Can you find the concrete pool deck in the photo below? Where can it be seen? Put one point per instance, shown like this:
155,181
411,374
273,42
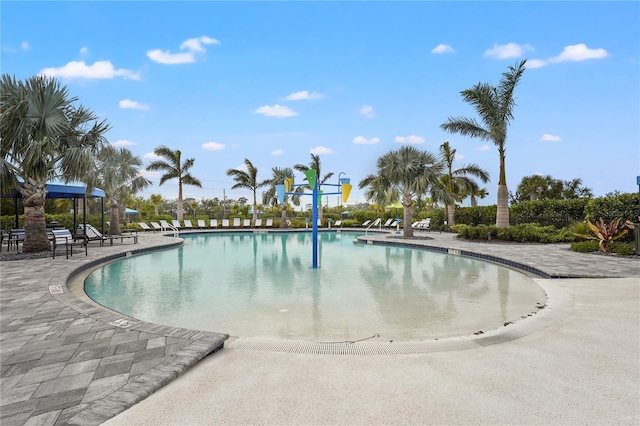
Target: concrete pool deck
583,368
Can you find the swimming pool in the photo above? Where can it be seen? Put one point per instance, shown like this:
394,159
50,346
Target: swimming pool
261,284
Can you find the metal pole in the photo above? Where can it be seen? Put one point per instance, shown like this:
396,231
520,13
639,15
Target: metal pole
314,210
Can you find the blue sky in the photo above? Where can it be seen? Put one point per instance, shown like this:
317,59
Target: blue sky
275,81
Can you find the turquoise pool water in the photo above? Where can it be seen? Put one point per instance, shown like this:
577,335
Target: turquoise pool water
249,284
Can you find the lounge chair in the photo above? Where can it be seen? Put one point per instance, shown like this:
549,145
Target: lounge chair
415,224
388,223
225,223
144,226
16,236
156,226
338,223
213,223
269,223
424,224
176,224
246,223
365,223
63,237
92,234
201,224
188,224
258,223
376,222
236,222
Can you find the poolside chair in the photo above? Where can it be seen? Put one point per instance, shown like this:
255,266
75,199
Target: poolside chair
258,223
269,223
156,226
225,223
176,224
246,223
91,234
16,236
63,237
187,224
338,223
144,226
236,222
415,224
213,223
388,223
201,224
376,222
365,223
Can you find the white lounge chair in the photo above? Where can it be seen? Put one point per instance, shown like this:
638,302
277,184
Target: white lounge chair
338,223
225,223
269,223
165,225
258,223
236,222
144,226
201,224
156,226
176,224
63,237
213,223
376,222
388,223
246,223
366,222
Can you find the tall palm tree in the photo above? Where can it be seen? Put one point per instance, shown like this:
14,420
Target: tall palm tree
457,182
117,172
403,175
474,193
175,169
249,180
270,197
44,136
156,200
315,165
495,107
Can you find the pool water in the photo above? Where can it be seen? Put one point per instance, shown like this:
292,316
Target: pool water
253,285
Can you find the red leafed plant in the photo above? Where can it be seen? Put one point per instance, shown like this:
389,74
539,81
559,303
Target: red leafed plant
605,233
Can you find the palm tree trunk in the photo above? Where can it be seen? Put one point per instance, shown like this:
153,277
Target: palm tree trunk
408,214
502,214
283,217
474,201
255,207
451,214
114,217
35,238
180,207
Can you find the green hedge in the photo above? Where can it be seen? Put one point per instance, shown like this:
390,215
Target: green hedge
480,215
559,213
612,207
529,232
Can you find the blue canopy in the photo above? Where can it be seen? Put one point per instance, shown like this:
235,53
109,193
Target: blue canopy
64,191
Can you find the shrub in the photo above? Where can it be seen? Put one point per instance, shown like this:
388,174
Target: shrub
584,246
559,213
625,249
612,207
529,232
480,215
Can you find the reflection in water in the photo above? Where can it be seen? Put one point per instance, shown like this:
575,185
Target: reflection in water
263,285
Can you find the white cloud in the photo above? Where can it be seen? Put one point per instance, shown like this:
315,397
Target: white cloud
149,174
458,157
213,146
550,138
506,51
122,142
579,52
277,152
129,104
191,46
536,63
151,156
442,48
84,50
100,69
25,45
484,148
276,111
321,150
367,111
304,94
413,139
361,140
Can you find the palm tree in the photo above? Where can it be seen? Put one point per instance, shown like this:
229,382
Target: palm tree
43,136
249,180
315,165
156,200
495,107
458,181
117,172
270,197
404,175
476,192
175,169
